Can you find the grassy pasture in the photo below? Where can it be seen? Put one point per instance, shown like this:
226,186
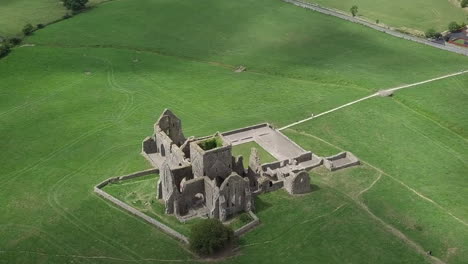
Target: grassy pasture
75,107
418,142
267,36
417,14
14,14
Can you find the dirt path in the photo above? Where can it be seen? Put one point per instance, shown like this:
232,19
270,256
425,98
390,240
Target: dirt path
391,90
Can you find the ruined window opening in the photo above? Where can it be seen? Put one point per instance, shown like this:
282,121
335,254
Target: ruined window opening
163,151
270,184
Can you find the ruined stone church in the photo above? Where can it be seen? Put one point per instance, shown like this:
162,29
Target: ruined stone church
199,177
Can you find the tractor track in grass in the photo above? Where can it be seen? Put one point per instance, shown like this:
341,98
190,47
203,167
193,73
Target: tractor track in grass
212,63
90,258
43,235
54,202
42,98
290,228
394,231
13,175
422,196
431,120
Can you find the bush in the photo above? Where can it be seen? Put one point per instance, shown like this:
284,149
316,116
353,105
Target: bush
66,16
354,10
433,34
28,29
75,5
454,27
209,236
377,21
464,3
245,218
430,33
14,41
39,26
4,49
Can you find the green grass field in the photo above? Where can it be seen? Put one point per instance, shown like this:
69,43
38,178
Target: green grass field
14,14
244,150
75,107
416,14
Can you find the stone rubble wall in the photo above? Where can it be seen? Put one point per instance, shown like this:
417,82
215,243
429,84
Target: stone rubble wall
236,131
249,226
340,161
138,174
131,210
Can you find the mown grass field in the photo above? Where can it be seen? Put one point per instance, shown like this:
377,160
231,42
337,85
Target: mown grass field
75,107
14,14
416,14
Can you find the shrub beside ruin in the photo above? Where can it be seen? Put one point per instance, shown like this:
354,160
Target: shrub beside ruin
210,236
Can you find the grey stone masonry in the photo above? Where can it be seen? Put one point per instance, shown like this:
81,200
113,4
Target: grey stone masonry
249,226
340,161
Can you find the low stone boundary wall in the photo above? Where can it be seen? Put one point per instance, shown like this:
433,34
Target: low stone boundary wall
235,131
340,161
131,210
304,157
249,226
138,174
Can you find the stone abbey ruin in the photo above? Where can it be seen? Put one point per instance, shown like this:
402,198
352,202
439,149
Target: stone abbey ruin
199,177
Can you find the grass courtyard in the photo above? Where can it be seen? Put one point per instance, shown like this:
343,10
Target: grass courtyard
245,149
75,107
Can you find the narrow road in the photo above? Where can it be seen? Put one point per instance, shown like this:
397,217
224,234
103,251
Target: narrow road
331,12
373,95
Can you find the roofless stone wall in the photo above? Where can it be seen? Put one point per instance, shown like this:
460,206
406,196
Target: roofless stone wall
166,229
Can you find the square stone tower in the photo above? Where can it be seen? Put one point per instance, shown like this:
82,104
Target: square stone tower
211,157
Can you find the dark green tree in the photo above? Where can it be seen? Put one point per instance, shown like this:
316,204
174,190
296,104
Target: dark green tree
464,3
453,26
209,236
28,29
430,33
354,10
75,5
4,49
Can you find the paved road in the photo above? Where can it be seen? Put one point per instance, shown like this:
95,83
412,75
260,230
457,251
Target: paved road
331,12
373,95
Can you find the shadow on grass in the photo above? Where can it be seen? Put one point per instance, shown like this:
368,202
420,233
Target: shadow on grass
314,188
261,204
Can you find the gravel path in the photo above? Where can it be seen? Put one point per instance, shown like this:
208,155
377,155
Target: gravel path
373,95
331,12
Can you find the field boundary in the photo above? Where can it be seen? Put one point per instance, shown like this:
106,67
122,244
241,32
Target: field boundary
389,31
386,92
249,226
166,229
